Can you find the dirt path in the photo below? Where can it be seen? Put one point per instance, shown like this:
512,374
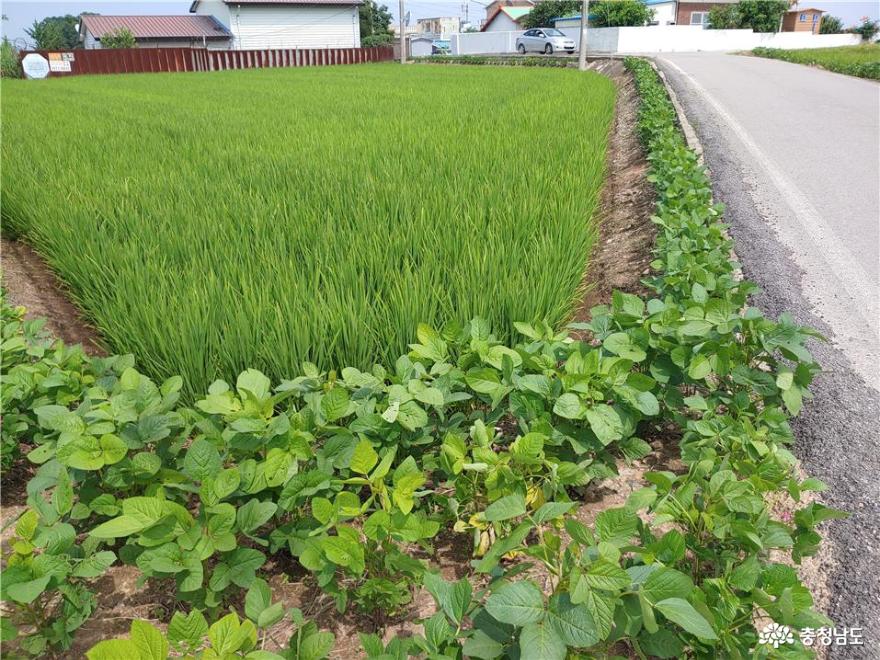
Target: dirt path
622,254
29,282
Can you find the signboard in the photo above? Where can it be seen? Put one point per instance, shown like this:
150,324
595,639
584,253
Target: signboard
35,66
57,62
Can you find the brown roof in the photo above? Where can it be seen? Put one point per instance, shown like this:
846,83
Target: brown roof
158,27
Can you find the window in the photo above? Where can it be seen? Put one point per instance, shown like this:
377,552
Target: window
815,17
700,18
803,18
553,32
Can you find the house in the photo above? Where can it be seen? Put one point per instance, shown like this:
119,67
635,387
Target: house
442,26
664,11
261,24
506,19
697,13
802,20
157,31
493,6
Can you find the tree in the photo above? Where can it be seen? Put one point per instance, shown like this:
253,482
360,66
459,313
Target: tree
724,17
620,13
762,15
55,33
10,67
375,20
121,37
543,13
831,25
757,15
868,29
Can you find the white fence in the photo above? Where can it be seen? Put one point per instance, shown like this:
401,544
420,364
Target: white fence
657,39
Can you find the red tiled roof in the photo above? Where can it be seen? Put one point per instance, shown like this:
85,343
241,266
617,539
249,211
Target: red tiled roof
158,27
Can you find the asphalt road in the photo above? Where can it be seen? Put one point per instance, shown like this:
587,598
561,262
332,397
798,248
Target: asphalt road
794,153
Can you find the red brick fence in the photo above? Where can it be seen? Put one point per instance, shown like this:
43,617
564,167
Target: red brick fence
158,60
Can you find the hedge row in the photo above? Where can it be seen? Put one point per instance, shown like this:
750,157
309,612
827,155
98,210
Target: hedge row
827,59
355,473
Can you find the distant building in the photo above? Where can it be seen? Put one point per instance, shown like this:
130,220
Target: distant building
492,7
506,19
157,31
697,13
802,20
441,26
664,11
260,24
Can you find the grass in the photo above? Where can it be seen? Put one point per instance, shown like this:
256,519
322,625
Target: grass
862,60
213,222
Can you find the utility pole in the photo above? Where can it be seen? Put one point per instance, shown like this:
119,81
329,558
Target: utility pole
582,51
402,33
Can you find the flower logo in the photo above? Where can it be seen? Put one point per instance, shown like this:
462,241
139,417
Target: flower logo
776,635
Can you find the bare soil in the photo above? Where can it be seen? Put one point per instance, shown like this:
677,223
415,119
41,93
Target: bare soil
622,255
619,260
29,282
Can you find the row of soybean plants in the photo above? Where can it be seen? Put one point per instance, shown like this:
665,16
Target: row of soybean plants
355,473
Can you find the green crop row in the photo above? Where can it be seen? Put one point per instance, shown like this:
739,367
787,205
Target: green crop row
862,61
502,60
354,473
211,223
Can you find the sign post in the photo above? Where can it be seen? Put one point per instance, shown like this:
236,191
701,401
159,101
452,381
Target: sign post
35,66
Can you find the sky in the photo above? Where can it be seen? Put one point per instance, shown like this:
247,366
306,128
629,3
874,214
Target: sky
22,14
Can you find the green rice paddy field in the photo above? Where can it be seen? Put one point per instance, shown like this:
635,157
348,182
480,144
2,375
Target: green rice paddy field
213,222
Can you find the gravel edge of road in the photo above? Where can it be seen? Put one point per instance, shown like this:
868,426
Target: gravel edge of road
840,421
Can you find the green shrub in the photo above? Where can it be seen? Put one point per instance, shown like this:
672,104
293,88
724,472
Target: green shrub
620,13
119,38
862,61
10,66
831,25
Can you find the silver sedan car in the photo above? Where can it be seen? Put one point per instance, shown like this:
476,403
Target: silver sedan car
544,40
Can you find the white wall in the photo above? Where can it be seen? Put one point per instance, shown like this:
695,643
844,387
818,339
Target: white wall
657,39
477,43
216,8
503,23
294,26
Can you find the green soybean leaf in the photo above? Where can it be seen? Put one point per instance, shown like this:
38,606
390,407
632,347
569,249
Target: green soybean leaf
573,623
509,506
517,603
334,404
540,640
605,422
113,649
683,613
151,643
364,458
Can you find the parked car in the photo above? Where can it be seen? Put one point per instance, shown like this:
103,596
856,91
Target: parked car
544,40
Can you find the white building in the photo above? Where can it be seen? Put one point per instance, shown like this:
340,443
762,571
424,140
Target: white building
442,26
506,19
260,24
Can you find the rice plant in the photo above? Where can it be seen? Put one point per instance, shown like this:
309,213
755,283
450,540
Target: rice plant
213,222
